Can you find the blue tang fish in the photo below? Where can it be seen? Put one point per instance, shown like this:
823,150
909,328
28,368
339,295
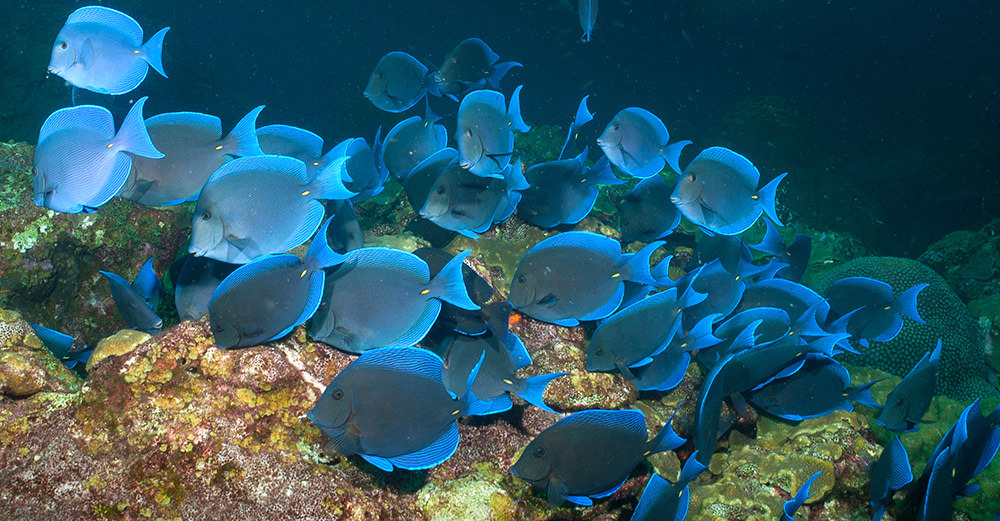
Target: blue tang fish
563,191
890,473
137,301
791,297
576,276
634,335
80,162
718,192
485,132
867,310
265,299
411,141
666,369
463,202
589,454
101,50
907,403
819,387
583,116
644,215
801,496
364,172
661,501
973,441
795,256
385,297
419,180
723,292
636,142
194,149
390,407
345,233
499,359
286,140
258,205
469,66
195,282
398,82
61,346
588,16
471,322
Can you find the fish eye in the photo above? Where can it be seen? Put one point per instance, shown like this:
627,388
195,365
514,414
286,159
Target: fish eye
599,351
468,132
63,45
218,329
616,127
440,190
522,279
338,394
206,216
539,452
34,170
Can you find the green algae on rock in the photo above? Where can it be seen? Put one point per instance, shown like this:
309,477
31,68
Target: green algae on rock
26,366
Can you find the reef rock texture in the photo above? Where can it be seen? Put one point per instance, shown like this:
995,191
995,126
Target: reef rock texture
49,261
962,373
26,366
969,261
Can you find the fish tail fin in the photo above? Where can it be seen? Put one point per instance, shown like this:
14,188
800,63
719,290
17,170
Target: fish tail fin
766,198
431,85
242,139
601,174
900,472
692,468
771,243
666,439
672,154
534,388
807,324
449,284
661,272
792,505
329,182
475,406
320,255
147,285
638,264
499,71
514,112
132,136
863,394
152,51
656,487
58,342
906,303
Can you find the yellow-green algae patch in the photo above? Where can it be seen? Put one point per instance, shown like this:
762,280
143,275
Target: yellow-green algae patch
473,497
118,344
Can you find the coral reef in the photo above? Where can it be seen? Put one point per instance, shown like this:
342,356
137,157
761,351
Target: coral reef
962,373
26,366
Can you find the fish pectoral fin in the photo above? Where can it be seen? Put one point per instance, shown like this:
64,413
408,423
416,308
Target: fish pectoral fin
495,157
557,491
547,301
86,56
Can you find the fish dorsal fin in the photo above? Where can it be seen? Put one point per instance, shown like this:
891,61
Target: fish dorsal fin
281,164
306,139
121,23
90,117
586,240
431,455
251,270
738,165
206,122
410,360
382,257
630,420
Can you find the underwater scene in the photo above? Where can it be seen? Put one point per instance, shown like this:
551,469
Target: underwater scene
494,260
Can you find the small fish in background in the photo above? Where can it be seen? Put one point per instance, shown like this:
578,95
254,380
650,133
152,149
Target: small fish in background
195,282
589,454
588,17
796,256
866,308
411,141
265,299
80,162
345,233
385,297
136,302
907,403
661,501
463,202
576,276
364,171
644,215
485,133
890,473
718,192
453,318
398,82
801,496
499,359
471,65
583,116
259,205
821,386
61,346
390,407
101,50
563,191
286,140
193,149
636,142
